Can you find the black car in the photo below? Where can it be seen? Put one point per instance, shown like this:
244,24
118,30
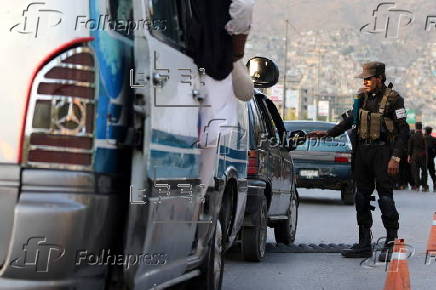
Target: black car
323,163
272,198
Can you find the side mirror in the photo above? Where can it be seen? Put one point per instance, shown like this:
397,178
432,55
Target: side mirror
296,138
263,72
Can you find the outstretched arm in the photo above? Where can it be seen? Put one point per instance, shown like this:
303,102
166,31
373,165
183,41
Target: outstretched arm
337,130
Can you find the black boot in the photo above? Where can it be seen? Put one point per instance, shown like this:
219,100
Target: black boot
386,252
363,249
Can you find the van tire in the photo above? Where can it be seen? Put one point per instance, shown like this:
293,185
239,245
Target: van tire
212,269
226,214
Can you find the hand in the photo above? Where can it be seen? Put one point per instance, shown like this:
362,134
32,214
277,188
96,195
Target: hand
409,159
317,134
393,167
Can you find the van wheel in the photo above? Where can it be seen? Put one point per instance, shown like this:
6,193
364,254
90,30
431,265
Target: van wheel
284,231
254,238
347,193
226,214
212,269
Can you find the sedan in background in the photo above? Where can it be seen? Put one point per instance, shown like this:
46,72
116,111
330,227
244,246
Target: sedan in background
323,163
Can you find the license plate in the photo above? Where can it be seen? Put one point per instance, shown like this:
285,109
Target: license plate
309,173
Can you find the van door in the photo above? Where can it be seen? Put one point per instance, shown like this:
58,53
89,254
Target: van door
165,184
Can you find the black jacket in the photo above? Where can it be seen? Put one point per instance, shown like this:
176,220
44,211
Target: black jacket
417,145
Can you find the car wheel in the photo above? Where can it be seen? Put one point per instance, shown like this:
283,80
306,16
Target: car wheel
254,238
212,269
284,231
347,193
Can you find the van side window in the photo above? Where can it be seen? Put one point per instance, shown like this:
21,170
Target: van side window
169,20
121,16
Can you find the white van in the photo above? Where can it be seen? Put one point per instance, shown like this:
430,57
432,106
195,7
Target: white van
99,158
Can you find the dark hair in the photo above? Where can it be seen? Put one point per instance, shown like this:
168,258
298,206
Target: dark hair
428,130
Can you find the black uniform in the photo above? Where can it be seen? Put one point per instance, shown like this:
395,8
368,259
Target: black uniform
418,154
371,159
431,153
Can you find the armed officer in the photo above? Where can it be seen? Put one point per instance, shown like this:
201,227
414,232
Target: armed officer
380,134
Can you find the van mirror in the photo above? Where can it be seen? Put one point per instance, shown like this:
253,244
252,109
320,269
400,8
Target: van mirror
263,72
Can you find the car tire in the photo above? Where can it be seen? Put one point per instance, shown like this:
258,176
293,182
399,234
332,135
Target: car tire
284,231
254,238
348,193
212,269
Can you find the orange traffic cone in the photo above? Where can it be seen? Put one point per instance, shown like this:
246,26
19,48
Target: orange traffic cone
398,270
431,244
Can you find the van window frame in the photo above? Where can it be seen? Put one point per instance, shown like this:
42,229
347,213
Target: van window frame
182,16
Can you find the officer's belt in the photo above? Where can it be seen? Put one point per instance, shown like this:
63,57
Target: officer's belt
372,142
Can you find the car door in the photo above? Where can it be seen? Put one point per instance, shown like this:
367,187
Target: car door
165,204
274,162
258,138
286,176
282,199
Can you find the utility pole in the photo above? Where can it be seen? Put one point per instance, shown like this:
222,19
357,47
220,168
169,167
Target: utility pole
286,68
317,79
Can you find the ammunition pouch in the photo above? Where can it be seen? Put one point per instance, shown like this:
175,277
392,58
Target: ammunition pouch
370,125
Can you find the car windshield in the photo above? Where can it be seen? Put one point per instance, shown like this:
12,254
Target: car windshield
328,144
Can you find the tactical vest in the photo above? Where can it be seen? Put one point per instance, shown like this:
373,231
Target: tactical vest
370,123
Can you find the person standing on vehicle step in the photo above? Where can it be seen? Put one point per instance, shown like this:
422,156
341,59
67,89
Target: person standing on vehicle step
431,153
218,32
417,156
380,133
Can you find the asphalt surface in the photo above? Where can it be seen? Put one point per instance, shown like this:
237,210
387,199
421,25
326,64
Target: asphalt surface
324,219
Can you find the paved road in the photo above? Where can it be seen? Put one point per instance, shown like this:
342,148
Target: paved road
323,219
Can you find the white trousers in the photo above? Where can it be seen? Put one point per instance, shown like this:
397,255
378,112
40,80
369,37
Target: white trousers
222,111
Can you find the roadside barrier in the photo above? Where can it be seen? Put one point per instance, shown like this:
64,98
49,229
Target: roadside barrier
398,270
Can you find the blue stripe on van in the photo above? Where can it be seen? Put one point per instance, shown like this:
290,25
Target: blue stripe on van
173,165
235,154
241,168
180,141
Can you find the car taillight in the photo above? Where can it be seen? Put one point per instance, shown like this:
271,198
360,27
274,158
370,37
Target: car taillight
343,157
252,162
59,129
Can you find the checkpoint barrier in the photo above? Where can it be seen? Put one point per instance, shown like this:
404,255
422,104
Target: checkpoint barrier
431,244
398,270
